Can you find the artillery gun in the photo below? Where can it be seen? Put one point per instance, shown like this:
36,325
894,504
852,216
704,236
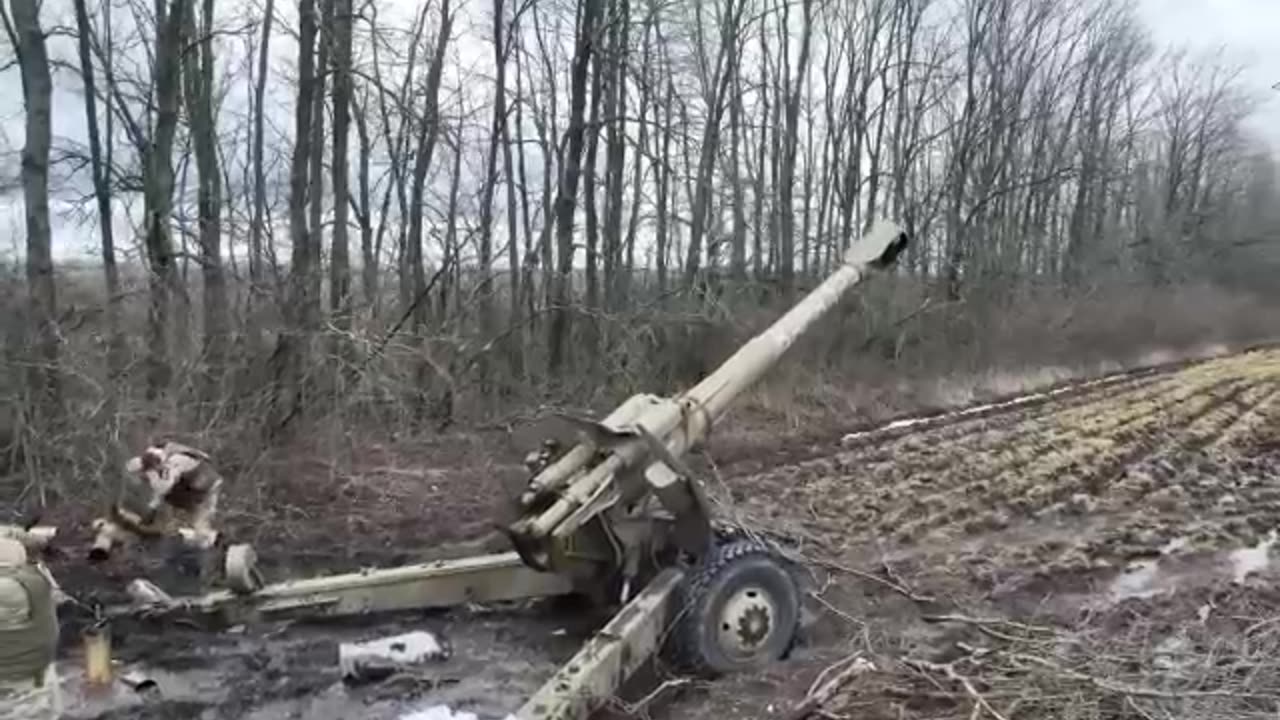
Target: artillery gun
616,515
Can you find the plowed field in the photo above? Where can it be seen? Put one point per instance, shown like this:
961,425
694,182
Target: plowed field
1102,553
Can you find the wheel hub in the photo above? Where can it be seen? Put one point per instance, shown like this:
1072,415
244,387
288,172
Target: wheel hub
746,621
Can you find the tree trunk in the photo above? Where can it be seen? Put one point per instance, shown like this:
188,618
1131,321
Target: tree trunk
566,198
339,262
428,135
315,194
515,348
488,188
37,94
257,274
158,194
718,88
590,204
102,194
788,170
198,73
738,253
294,344
758,249
615,156
369,255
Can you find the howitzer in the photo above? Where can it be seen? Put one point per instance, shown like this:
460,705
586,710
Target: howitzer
617,511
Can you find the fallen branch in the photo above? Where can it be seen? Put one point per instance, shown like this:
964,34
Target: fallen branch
950,673
985,625
904,591
637,708
822,691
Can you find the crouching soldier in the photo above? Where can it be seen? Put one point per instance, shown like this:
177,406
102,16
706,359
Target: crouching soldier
164,475
183,479
28,637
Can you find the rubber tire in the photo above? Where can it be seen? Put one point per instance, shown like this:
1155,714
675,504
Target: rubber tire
709,585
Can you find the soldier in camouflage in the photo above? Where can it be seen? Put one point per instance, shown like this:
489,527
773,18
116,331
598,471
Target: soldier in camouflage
169,475
28,637
183,479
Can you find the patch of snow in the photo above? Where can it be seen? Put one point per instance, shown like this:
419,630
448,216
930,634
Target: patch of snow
1203,613
396,651
438,712
1246,561
1174,545
976,409
1139,580
442,712
1171,654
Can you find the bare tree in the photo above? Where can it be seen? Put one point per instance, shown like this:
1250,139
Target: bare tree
502,47
302,316
489,187
315,191
427,136
198,67
589,12
715,91
257,275
158,191
99,166
339,264
37,93
616,150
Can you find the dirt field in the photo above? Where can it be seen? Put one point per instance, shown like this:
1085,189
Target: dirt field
1097,553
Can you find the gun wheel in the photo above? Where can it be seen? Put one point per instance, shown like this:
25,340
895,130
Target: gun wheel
241,569
740,609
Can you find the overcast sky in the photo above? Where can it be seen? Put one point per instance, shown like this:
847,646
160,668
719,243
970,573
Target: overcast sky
1248,30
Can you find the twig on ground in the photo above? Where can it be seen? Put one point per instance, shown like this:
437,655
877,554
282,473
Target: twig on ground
639,707
969,620
822,690
835,610
1134,690
949,671
906,592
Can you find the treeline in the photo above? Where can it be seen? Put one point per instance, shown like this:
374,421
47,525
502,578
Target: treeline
333,206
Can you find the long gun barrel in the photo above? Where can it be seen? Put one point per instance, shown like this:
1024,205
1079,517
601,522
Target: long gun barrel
711,397
570,492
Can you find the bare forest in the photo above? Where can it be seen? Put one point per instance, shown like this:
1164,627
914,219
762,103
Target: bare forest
398,218
353,249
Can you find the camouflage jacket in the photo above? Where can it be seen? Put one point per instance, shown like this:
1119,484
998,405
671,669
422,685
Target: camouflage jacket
28,622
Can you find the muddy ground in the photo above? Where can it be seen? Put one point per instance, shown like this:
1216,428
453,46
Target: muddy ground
1099,553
